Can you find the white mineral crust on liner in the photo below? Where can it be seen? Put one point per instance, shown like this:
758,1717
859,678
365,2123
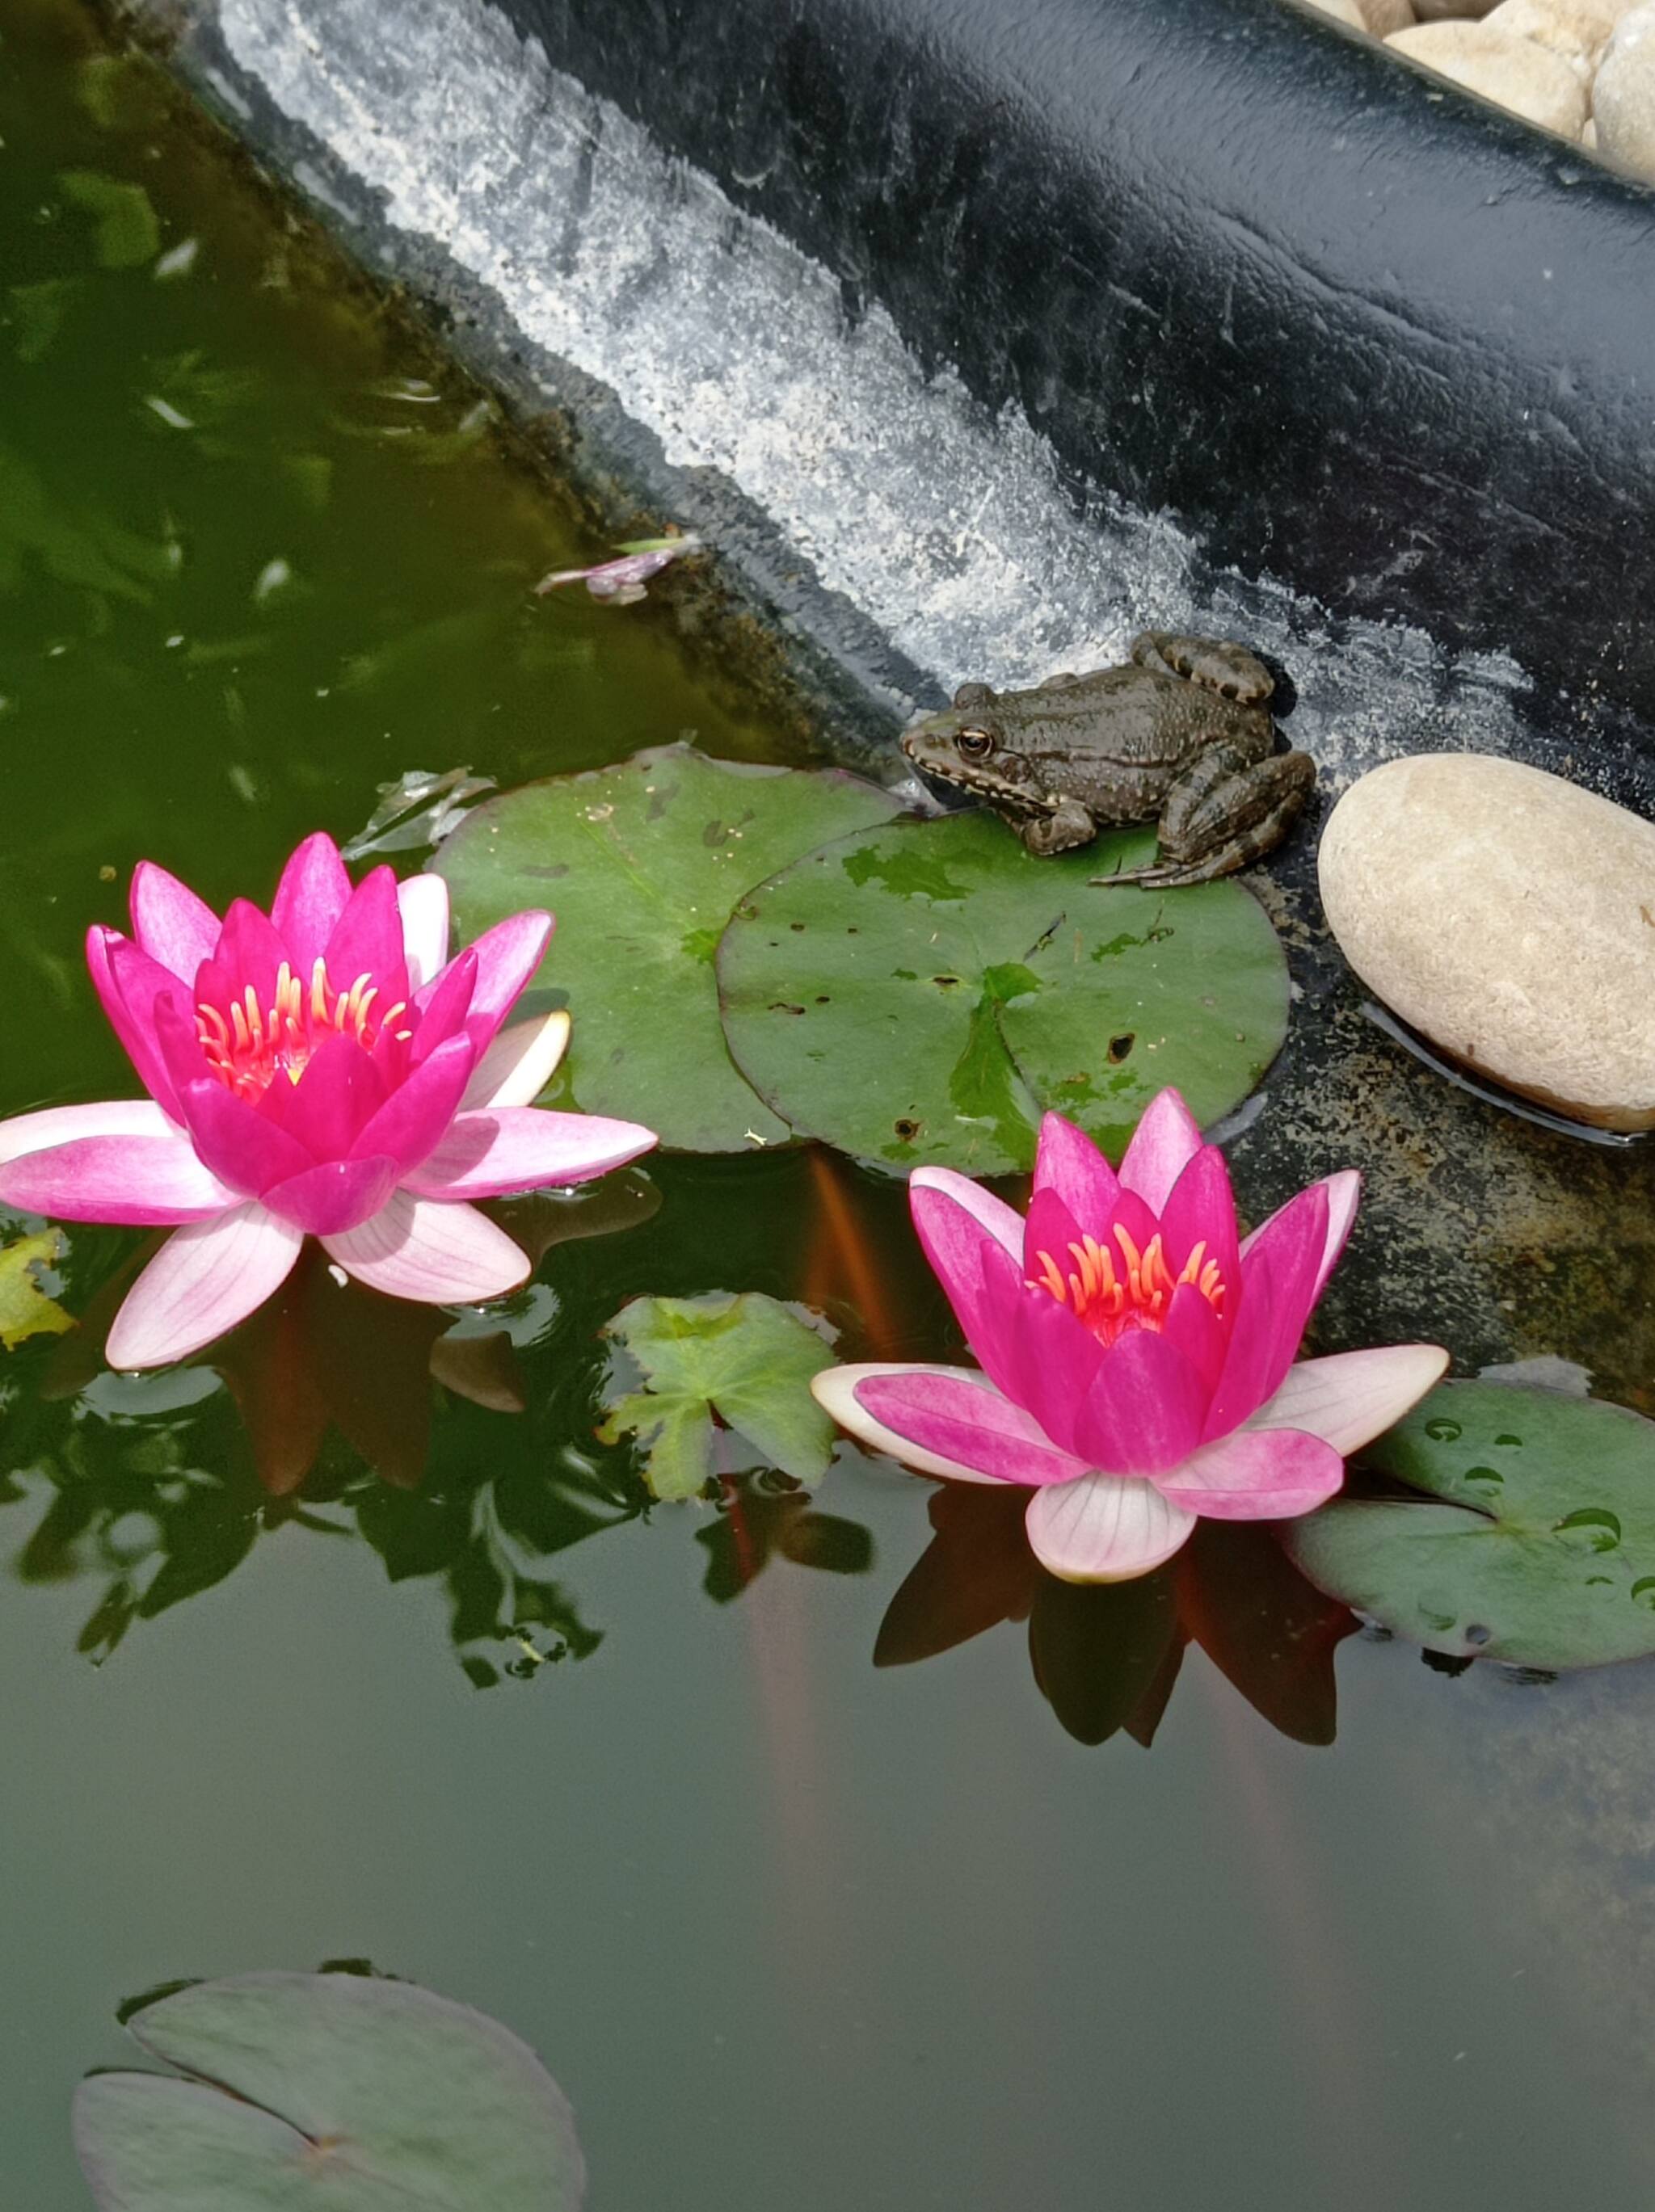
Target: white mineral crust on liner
944,524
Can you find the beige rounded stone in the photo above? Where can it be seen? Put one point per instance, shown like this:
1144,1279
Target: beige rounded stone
1510,917
1512,72
1623,95
1384,16
1342,11
1576,30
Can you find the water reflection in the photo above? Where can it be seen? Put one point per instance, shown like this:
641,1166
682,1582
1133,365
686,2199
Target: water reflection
1107,1657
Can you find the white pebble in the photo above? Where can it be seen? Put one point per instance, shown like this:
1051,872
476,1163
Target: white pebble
1623,96
1512,72
1510,916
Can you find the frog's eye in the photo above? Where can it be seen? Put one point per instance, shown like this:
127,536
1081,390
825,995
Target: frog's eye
976,744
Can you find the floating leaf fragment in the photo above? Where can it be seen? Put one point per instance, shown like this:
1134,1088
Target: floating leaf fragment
126,231
419,809
25,1309
741,1362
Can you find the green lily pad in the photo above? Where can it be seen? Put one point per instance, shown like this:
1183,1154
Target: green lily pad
921,993
333,2090
1542,1550
25,1309
745,1359
642,864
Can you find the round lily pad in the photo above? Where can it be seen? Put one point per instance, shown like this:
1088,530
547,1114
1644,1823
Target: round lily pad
921,993
1540,1548
345,2092
642,864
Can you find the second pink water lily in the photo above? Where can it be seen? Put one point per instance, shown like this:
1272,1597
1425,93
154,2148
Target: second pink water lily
1139,1358
325,1070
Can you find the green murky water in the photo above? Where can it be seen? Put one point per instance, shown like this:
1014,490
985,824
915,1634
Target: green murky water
792,1928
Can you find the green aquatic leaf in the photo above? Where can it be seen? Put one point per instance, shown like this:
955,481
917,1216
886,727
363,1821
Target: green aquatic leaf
36,314
126,232
336,2090
642,864
924,992
25,1309
743,1361
1539,1546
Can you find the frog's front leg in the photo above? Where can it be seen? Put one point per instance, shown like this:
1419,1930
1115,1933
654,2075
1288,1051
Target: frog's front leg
1060,832
1212,662
1226,810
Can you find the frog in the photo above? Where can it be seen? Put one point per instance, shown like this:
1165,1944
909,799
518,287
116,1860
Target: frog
1181,734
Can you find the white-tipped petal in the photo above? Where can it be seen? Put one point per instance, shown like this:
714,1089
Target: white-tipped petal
435,1254
64,1125
204,1279
1353,1396
1105,1528
835,1392
518,1064
422,903
1003,1223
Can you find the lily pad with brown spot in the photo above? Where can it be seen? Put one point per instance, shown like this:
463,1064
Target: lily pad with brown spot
922,992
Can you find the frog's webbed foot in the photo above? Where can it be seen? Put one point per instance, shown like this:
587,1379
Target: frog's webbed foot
1047,834
1212,662
1224,812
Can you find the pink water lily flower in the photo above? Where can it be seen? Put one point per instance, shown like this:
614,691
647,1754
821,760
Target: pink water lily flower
323,1070
1139,1357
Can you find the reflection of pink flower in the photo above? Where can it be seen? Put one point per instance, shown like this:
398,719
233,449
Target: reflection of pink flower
1139,1357
325,1069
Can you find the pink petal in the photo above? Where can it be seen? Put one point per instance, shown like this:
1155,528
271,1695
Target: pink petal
1105,1528
1344,1192
968,1422
443,1006
422,903
60,1125
974,1243
171,923
836,1392
117,966
1143,1412
1068,1162
1050,1228
1165,1142
507,955
514,1148
336,1196
1199,1334
367,940
439,1255
1353,1396
414,1117
243,1147
1202,1210
333,1101
147,1181
1279,1277
520,1063
1049,1362
248,955
202,1282
314,892
1256,1474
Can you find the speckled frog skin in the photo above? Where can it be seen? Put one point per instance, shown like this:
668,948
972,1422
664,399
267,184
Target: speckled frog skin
1181,734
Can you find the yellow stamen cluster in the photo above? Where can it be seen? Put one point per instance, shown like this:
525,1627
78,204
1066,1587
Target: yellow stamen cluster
247,1047
1110,1299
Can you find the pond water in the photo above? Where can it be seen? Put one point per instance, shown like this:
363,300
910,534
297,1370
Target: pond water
809,1894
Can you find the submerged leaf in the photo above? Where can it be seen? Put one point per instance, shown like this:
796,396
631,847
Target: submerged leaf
746,1360
642,864
923,993
25,1309
331,2090
126,232
1538,1548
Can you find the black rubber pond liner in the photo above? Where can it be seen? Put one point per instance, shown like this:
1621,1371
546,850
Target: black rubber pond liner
1351,326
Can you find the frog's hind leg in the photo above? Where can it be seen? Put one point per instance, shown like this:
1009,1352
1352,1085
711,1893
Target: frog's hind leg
1227,811
1213,662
